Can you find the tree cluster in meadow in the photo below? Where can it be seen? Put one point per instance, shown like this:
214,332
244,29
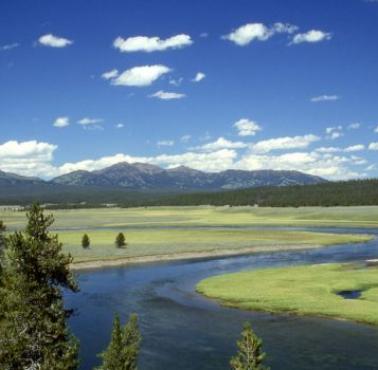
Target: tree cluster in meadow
34,334
120,241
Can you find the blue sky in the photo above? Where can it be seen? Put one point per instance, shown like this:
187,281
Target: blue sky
208,84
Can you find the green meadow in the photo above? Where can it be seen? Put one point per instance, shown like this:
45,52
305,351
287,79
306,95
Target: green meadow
304,290
160,231
155,242
363,216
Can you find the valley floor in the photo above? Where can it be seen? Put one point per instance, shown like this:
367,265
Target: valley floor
172,233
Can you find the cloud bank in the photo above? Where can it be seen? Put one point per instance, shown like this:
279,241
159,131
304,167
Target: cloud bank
33,158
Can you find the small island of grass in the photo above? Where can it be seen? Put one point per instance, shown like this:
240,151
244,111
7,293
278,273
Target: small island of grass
318,290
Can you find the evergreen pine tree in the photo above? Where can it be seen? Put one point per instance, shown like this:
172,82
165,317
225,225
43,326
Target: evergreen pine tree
131,340
34,334
112,356
85,241
250,355
122,352
120,240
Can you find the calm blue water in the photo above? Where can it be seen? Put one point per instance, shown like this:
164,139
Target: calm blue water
182,330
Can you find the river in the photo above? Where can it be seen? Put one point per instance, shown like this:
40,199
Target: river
184,331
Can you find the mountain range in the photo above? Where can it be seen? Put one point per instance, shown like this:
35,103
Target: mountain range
145,185
139,182
142,176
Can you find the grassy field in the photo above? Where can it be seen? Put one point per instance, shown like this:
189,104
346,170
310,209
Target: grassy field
206,216
304,290
180,241
161,231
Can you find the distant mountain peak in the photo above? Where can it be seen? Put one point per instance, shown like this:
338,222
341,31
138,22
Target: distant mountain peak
150,168
116,166
79,172
183,169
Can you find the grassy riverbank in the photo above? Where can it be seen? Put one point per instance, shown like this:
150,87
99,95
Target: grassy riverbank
182,244
303,290
194,232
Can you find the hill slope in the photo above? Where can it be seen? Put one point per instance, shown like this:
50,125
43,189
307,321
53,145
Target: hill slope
8,179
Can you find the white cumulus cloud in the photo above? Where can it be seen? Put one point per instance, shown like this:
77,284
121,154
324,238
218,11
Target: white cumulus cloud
326,165
110,74
333,133
150,44
29,158
54,41
354,148
199,77
212,162
349,149
250,32
284,143
61,122
167,95
140,76
247,127
312,36
221,143
373,146
328,149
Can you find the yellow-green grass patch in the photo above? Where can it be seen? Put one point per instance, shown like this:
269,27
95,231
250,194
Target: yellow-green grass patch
205,216
152,242
303,290
159,231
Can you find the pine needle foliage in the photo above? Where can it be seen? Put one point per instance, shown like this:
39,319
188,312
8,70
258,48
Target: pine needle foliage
250,355
122,352
34,333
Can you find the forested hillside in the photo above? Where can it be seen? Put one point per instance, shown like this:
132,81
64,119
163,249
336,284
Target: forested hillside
349,193
356,192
